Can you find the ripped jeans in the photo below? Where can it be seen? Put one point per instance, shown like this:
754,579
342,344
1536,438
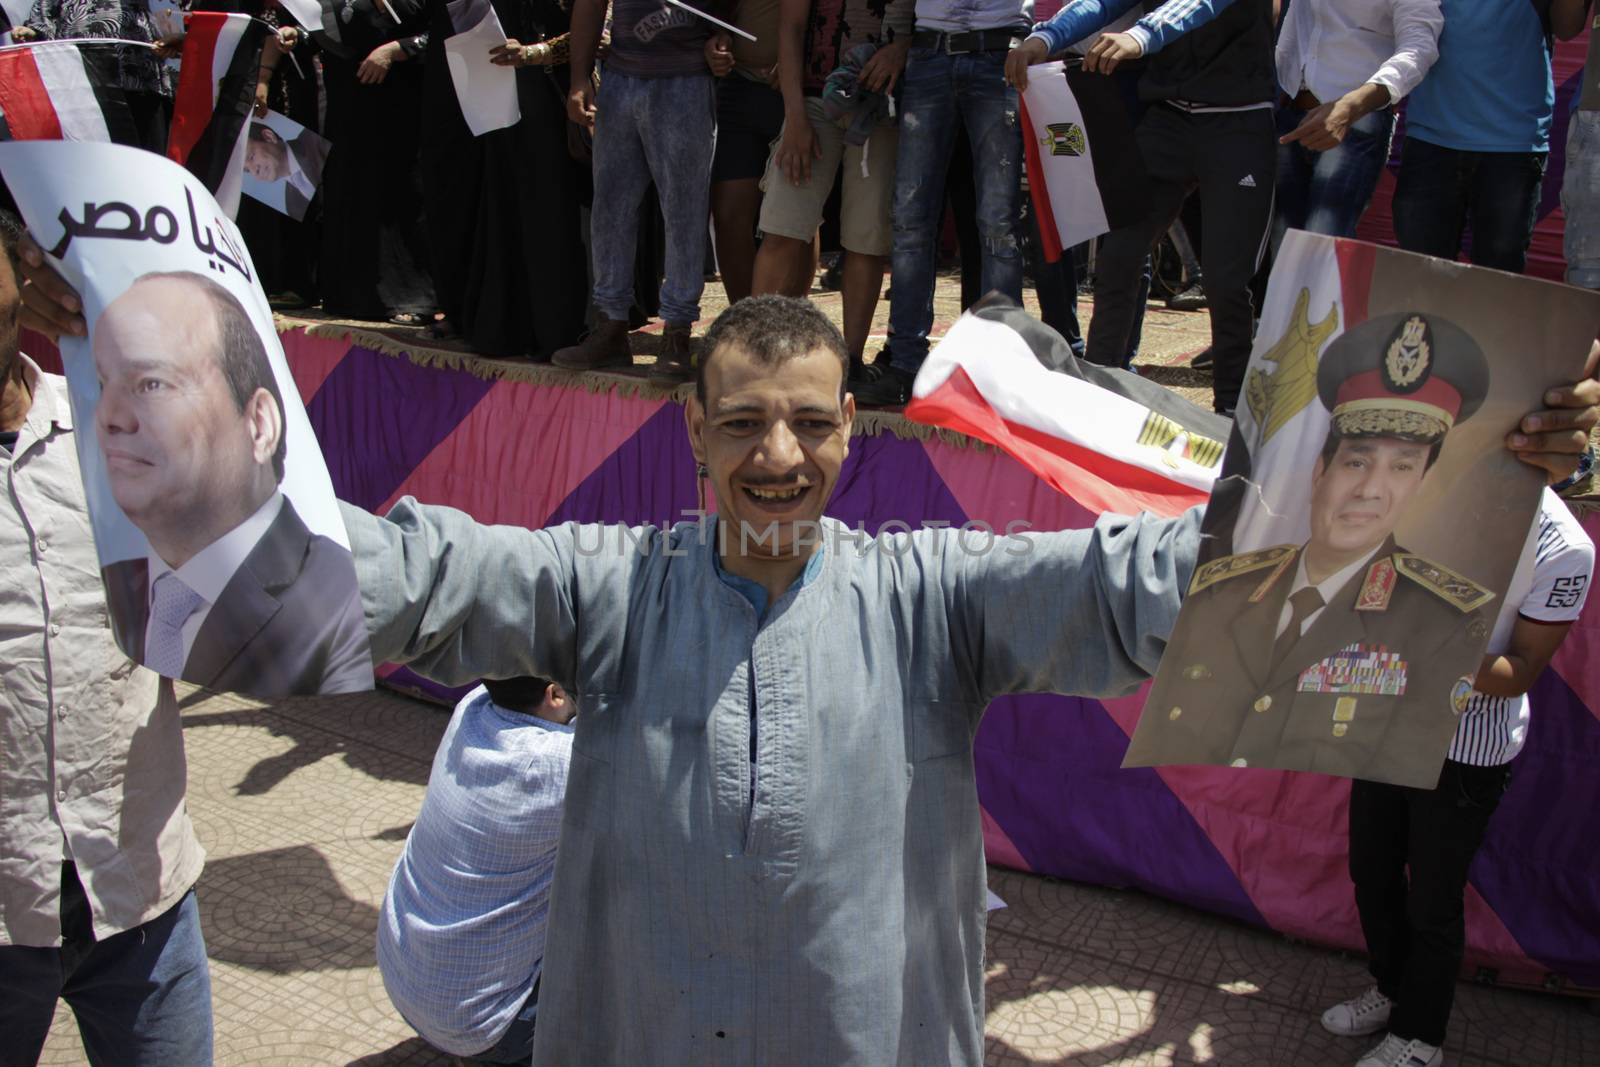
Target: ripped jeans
940,94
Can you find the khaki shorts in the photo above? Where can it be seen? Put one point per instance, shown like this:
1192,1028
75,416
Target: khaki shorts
790,210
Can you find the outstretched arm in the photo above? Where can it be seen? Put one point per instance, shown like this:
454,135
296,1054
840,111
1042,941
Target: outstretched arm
459,601
1079,611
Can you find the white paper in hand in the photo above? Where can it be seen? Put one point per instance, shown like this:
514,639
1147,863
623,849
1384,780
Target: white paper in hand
308,13
487,93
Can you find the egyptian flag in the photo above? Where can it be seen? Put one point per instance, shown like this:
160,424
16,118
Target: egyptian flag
1109,439
1085,173
216,91
61,92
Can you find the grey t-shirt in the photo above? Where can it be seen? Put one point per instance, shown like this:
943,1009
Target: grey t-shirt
654,39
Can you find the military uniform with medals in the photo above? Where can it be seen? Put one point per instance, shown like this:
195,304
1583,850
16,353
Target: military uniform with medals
1332,699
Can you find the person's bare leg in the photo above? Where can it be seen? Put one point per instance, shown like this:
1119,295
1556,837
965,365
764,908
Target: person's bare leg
861,285
734,208
784,265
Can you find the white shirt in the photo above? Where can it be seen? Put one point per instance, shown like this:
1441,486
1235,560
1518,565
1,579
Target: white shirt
1328,588
1549,585
74,710
209,571
1333,47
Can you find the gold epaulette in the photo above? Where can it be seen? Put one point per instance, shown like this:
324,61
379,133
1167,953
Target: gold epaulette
1243,563
1461,593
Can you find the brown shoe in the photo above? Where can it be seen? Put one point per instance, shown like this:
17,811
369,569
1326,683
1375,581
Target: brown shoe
604,346
676,362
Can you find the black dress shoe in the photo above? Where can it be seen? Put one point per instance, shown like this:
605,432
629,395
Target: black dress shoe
879,385
1202,361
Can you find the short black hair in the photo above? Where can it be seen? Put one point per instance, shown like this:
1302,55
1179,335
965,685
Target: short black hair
244,363
518,694
11,230
772,330
1331,446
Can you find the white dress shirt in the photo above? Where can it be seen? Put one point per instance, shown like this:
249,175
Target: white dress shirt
1334,47
210,570
91,746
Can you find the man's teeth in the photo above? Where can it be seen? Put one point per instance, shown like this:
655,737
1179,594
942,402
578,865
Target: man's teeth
775,494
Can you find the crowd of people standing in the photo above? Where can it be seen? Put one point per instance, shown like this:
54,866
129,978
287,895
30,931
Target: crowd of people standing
654,147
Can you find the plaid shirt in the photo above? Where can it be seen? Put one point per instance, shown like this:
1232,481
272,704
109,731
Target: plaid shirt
461,937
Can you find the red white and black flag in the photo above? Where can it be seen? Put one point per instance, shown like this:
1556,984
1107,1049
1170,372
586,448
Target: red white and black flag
1109,439
216,91
51,91
1085,173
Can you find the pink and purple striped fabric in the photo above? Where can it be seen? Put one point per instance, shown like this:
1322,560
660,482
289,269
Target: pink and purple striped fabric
1263,847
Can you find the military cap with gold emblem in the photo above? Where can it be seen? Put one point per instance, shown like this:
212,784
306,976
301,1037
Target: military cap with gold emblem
1412,374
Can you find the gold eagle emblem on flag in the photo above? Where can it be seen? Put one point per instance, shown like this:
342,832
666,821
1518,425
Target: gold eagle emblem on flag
1064,139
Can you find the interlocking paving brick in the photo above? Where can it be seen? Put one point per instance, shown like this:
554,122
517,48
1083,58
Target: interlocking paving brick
303,808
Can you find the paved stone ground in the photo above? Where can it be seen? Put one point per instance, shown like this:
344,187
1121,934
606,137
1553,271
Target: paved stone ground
303,807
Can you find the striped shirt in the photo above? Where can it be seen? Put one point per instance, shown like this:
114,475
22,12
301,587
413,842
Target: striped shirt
461,936
1549,585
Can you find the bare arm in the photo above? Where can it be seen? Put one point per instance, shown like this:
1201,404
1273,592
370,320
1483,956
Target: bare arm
588,19
1513,672
1567,17
798,146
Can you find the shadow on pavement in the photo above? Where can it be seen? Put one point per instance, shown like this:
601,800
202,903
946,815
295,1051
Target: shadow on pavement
284,911
383,736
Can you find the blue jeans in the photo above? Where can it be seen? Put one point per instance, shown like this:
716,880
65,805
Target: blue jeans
142,998
1326,192
938,92
1441,189
661,130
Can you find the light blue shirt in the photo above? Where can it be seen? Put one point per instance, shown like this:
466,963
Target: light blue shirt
461,935
1490,89
1079,18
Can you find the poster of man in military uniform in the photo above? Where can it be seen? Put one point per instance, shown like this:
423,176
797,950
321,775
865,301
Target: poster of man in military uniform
1367,522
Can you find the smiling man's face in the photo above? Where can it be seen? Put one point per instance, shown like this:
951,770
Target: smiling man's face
773,438
1358,496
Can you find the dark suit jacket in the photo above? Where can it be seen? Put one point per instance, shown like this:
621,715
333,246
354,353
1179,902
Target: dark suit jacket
1228,702
289,621
311,152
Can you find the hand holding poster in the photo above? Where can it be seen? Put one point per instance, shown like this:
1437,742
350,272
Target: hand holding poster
1368,521
283,164
223,554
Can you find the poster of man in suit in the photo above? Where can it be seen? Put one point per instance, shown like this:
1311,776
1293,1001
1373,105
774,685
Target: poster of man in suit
224,558
1366,524
283,164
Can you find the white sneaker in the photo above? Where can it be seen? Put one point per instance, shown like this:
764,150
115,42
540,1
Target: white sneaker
1397,1052
1359,1016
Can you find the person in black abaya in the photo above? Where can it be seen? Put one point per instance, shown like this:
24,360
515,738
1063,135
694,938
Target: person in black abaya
375,262
502,207
285,250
